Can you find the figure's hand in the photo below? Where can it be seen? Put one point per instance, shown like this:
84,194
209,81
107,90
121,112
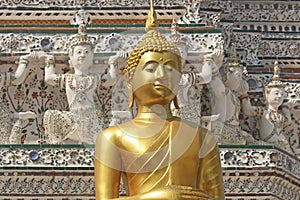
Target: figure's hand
244,88
44,55
290,103
217,57
118,60
184,81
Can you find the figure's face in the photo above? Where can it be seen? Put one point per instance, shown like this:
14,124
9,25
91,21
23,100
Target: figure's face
156,79
234,78
275,97
82,57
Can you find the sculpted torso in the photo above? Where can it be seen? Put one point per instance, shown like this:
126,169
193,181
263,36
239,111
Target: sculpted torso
80,90
274,119
159,160
267,127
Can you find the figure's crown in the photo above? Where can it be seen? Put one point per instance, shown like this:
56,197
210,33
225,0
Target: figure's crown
82,19
152,41
81,38
275,82
232,60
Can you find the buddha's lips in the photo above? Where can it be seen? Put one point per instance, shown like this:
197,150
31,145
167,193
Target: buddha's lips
159,86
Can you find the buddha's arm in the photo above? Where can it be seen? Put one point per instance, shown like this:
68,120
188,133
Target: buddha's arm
210,177
107,174
107,170
107,181
107,165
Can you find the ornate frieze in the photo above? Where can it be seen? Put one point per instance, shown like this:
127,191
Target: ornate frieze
88,3
105,42
61,171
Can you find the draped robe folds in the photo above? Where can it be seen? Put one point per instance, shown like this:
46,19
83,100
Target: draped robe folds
180,155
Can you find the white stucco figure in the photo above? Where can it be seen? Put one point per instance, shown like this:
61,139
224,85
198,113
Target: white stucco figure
186,108
275,116
80,124
228,88
7,129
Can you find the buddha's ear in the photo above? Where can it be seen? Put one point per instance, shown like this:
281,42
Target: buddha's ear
175,101
130,96
128,78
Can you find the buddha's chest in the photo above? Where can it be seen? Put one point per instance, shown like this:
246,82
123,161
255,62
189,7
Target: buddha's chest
175,153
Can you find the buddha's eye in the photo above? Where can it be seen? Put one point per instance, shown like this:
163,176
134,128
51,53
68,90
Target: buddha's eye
151,67
169,68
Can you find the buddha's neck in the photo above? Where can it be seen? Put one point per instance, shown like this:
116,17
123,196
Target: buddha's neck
160,111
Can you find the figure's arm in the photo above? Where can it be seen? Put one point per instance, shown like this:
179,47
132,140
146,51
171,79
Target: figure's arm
285,107
217,86
216,82
210,177
16,132
20,75
115,63
205,75
247,108
212,64
50,77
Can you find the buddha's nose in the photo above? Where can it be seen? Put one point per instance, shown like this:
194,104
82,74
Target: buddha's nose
160,72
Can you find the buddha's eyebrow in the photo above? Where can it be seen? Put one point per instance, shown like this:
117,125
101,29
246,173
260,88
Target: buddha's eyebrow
149,62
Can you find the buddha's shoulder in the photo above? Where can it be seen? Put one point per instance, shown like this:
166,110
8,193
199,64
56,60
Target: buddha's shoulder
112,131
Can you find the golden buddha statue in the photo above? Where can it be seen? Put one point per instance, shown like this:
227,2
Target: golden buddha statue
161,156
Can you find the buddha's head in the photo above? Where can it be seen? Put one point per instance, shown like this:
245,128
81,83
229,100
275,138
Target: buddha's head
81,50
275,90
153,69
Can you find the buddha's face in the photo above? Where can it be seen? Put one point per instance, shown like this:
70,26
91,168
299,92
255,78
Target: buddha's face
275,96
234,78
82,57
156,78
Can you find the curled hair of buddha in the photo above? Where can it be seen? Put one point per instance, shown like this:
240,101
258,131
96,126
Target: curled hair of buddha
152,41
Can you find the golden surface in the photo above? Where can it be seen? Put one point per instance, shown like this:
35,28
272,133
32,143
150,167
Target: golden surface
162,157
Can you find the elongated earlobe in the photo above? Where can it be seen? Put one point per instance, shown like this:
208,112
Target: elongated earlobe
130,97
175,101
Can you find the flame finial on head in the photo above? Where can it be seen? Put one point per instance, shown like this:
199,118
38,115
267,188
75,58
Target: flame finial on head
275,82
151,23
81,19
152,41
232,60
